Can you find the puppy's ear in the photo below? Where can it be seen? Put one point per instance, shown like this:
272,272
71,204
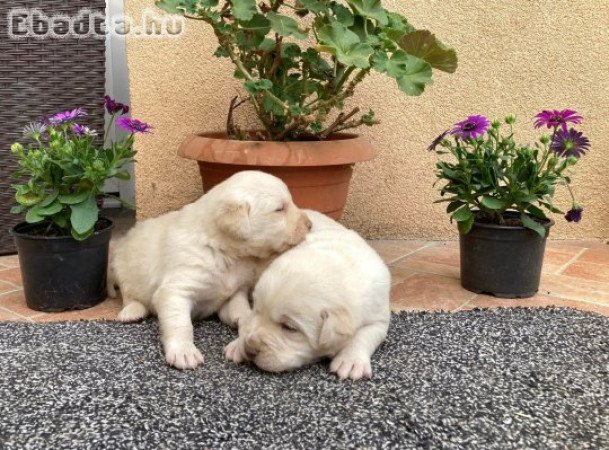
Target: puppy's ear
233,220
336,329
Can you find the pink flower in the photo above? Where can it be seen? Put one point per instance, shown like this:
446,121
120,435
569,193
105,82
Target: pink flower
133,125
555,118
472,127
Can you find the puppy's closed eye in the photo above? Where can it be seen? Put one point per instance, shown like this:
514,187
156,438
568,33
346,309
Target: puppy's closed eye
281,208
289,328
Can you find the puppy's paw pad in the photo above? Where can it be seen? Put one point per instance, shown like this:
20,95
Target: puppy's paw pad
183,355
132,312
232,352
354,367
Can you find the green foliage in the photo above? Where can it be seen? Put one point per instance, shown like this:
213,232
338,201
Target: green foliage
300,60
494,174
61,174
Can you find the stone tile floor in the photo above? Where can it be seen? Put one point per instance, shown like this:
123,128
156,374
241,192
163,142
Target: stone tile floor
425,277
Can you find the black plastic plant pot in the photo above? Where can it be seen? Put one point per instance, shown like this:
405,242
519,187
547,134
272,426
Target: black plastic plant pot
61,273
502,260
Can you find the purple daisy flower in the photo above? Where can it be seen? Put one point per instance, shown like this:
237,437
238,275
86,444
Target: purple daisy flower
570,143
66,116
556,118
114,107
574,214
437,141
472,127
133,125
81,130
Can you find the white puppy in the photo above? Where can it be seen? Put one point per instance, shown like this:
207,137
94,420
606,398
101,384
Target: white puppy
327,297
203,258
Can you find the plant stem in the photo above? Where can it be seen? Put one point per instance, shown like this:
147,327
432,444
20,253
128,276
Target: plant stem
277,59
340,120
108,129
231,129
345,76
249,76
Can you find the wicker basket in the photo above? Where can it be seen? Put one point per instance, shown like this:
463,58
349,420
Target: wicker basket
40,77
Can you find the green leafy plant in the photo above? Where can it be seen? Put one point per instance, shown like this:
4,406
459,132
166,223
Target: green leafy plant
301,59
64,167
493,174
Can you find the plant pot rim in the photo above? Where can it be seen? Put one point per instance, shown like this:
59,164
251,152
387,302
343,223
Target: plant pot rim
546,224
14,232
215,147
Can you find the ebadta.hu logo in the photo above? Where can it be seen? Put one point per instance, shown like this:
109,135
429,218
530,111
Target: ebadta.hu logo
88,23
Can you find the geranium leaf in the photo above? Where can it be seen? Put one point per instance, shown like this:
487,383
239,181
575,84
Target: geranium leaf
253,86
343,14
257,24
380,60
349,50
182,6
416,73
170,6
243,9
371,9
285,26
252,32
314,5
423,44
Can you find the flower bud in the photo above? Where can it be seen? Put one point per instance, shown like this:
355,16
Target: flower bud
510,119
544,139
496,124
16,148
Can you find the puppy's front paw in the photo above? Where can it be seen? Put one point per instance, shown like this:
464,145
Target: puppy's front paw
232,352
353,366
183,355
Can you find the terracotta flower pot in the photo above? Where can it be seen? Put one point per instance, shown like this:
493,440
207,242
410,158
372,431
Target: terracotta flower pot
316,172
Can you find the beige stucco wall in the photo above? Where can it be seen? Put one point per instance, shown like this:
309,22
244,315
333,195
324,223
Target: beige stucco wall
517,56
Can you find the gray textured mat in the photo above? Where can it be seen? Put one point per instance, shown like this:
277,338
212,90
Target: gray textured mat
506,379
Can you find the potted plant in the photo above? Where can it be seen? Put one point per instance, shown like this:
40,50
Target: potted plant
499,191
63,243
300,60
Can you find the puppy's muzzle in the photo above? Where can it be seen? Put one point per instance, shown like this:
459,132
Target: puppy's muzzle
251,347
250,353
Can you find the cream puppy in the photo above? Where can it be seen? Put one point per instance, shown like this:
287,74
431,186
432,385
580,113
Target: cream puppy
327,297
203,259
